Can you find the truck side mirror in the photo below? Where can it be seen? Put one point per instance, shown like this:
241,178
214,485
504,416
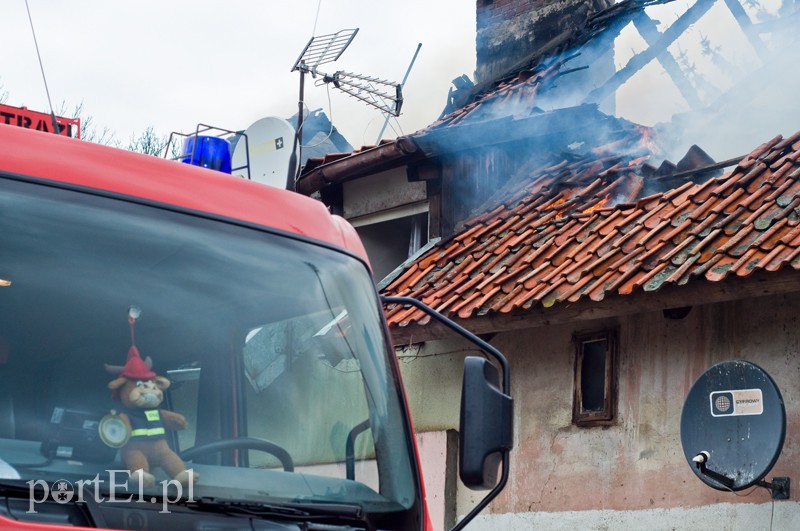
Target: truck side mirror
487,413
486,425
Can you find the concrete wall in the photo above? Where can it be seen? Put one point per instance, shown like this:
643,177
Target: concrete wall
634,468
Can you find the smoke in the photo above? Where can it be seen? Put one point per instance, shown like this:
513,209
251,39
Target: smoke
700,72
655,83
740,72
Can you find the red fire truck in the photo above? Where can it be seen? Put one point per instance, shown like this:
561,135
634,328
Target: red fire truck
259,308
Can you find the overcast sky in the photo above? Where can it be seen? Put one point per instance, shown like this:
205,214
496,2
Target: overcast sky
172,65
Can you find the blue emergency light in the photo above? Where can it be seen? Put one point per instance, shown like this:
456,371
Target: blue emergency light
207,151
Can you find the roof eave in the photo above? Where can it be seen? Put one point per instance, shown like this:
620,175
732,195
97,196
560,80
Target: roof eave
697,292
380,158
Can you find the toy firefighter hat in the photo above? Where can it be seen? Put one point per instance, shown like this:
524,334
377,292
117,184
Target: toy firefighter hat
135,367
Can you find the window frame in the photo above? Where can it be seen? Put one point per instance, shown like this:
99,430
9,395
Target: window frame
606,416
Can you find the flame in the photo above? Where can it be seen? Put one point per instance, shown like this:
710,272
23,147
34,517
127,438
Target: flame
597,206
554,206
648,138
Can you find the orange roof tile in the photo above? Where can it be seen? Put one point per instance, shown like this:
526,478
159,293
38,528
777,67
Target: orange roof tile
545,244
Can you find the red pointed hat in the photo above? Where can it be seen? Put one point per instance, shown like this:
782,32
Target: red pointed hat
135,368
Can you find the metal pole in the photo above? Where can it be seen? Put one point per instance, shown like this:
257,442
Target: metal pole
297,149
402,84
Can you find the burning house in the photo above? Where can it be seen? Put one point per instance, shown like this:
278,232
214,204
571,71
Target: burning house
534,213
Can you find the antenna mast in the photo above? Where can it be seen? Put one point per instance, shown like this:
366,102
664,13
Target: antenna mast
386,96
41,67
402,84
318,51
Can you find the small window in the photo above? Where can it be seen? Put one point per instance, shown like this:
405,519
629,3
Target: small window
595,378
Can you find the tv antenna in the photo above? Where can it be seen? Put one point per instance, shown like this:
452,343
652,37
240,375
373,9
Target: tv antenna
386,96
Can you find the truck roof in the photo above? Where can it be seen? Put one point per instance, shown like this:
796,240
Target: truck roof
85,164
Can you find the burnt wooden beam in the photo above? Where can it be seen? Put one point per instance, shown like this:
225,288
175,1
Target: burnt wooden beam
607,24
625,7
695,293
640,60
649,32
746,24
705,169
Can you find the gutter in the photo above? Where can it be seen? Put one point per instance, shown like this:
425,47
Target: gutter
379,158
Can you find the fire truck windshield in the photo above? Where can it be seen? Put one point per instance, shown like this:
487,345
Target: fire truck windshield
281,390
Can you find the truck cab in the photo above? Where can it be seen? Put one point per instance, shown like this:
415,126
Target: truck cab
254,303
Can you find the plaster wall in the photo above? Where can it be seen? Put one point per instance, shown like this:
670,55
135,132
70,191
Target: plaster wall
432,373
438,449
382,191
634,468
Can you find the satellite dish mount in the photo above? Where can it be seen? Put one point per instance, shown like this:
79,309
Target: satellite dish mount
386,96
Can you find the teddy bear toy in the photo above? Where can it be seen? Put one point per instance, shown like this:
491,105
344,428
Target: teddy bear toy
141,392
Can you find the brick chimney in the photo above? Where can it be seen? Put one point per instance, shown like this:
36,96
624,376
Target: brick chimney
509,31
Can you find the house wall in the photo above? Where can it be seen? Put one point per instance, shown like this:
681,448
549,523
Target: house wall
382,192
633,473
387,211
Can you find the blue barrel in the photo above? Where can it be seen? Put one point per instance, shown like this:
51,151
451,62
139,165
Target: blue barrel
207,151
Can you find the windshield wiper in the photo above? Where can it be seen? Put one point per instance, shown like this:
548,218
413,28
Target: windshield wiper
295,511
15,486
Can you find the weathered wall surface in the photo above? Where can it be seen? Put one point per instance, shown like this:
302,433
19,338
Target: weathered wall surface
719,517
637,464
432,374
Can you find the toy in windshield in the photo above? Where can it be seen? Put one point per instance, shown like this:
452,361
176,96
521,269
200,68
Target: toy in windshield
139,429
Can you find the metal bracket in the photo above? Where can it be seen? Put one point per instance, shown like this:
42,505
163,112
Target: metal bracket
780,487
716,476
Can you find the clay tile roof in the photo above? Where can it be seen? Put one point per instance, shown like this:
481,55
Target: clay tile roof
315,162
579,230
514,95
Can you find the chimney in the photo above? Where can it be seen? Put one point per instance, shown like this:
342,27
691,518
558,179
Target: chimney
509,31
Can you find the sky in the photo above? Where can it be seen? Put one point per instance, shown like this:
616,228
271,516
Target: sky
227,63
172,65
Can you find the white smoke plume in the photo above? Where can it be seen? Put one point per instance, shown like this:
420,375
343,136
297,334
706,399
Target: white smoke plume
742,72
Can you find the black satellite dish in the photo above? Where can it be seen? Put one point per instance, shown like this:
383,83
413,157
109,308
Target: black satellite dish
733,426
